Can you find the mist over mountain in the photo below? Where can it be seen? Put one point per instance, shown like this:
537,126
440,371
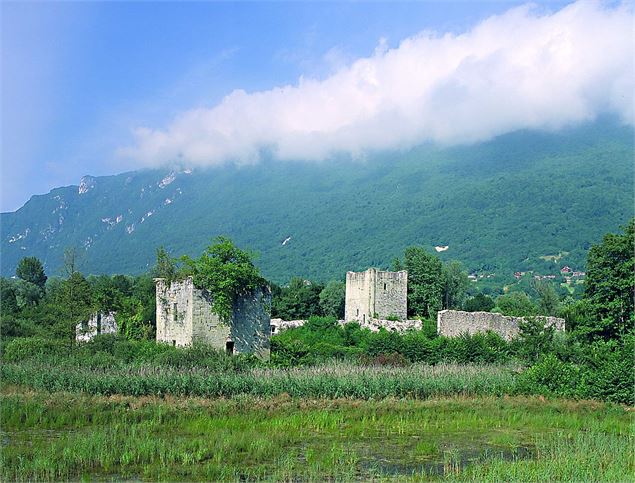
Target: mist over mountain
498,206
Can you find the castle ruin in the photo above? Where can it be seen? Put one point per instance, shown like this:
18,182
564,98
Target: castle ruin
376,294
453,323
185,316
99,323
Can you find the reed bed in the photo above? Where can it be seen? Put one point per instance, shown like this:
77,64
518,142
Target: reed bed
335,380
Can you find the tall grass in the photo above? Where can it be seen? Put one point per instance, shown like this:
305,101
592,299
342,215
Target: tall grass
335,380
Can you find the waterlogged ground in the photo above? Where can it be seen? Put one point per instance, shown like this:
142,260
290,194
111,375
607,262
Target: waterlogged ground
70,436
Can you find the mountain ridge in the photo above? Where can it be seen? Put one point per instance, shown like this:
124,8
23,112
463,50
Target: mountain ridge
498,205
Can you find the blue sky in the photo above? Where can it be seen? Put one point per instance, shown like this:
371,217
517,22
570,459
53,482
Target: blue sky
79,78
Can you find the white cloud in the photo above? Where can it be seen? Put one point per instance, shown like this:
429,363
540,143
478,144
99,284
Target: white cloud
521,69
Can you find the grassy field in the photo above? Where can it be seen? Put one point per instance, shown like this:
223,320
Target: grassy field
57,436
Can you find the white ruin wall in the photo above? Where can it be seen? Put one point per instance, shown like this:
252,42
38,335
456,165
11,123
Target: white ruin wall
453,323
376,294
98,324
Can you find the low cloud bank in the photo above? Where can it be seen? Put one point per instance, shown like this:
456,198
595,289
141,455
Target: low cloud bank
521,69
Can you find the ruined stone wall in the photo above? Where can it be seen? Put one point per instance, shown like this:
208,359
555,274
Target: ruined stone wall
185,316
207,327
174,311
100,323
250,328
391,295
279,325
376,294
358,296
452,323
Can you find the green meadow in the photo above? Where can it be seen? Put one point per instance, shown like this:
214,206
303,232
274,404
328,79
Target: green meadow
72,436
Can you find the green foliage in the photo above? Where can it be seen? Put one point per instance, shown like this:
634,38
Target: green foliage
77,302
30,270
133,321
610,283
479,303
425,282
517,304
21,349
165,266
27,293
300,300
333,298
535,338
8,299
548,299
455,285
602,370
226,272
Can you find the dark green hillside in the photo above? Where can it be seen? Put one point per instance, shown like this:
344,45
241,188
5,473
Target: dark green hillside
499,206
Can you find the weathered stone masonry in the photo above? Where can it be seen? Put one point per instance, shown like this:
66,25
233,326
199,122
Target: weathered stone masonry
376,294
453,323
99,323
184,316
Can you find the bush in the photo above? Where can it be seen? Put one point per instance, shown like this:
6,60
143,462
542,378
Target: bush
603,370
609,374
24,348
551,377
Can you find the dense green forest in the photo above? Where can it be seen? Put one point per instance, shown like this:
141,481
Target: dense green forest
499,206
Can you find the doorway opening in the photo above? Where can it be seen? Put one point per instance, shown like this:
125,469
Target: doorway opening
229,347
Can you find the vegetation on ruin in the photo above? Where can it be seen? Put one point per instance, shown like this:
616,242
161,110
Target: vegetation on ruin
225,272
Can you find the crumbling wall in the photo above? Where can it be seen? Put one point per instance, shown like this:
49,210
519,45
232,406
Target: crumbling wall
250,327
174,311
453,323
391,295
99,323
279,325
185,316
376,294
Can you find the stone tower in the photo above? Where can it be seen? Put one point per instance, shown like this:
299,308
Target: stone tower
185,316
376,294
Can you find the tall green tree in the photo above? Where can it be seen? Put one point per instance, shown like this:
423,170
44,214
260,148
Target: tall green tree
455,285
610,282
28,294
165,266
426,283
8,300
30,270
479,303
300,300
548,299
333,299
77,300
518,304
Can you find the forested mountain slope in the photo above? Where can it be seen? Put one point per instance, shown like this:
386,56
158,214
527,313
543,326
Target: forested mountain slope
498,206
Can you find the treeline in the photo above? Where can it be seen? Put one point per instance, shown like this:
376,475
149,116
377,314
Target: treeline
34,305
594,358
